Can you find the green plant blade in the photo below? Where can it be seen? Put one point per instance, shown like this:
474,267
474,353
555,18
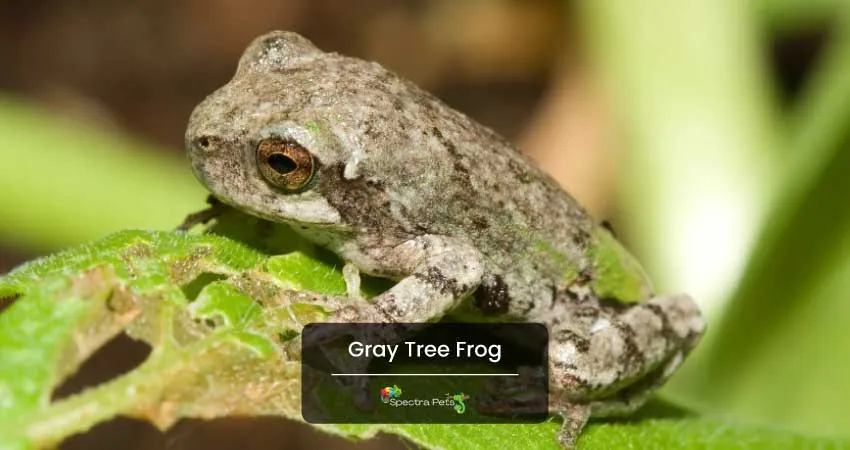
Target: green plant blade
780,350
90,182
228,349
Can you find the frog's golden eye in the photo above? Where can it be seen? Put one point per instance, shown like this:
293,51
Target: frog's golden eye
285,164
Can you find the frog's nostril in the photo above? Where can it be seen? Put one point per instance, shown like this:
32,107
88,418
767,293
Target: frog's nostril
203,142
282,164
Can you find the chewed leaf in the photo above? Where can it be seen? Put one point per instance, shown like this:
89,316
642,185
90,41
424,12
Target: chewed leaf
148,251
50,316
75,301
230,348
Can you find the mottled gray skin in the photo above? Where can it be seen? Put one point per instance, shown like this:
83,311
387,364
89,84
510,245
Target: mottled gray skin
410,189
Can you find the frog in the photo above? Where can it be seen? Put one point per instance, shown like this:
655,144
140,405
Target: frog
399,185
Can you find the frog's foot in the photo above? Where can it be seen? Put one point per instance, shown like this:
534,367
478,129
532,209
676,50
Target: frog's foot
357,387
362,322
575,415
515,396
215,209
575,418
351,274
620,404
352,322
336,360
625,354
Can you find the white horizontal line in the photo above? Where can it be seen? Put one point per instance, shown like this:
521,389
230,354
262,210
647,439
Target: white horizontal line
424,374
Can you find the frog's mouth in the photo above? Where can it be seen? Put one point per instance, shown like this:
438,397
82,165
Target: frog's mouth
299,213
313,212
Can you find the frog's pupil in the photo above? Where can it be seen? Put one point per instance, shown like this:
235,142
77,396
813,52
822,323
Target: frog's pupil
282,164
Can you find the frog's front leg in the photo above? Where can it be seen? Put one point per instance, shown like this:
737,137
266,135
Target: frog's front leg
439,273
609,368
436,273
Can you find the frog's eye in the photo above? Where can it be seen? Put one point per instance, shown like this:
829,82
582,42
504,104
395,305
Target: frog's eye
285,164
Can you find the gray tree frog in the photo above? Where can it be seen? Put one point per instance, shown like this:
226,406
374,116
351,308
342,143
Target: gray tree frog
399,185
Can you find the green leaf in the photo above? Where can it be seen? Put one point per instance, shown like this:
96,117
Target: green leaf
75,301
778,354
92,183
657,426
693,100
229,349
699,433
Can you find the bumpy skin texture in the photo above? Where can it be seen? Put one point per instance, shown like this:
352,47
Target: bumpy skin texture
410,189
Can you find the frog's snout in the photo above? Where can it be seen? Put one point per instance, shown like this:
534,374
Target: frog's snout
199,144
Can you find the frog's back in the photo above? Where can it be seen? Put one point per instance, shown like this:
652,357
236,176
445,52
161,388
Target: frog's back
465,180
423,167
527,225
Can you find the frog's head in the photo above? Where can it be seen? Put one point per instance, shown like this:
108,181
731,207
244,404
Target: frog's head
300,135
248,146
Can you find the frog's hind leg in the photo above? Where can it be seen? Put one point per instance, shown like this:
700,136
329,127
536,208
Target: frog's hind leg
621,345
621,404
632,398
615,350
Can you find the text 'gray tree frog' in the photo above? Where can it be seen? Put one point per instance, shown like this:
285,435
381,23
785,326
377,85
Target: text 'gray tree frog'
401,186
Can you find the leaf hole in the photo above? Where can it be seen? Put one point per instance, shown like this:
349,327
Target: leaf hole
287,335
194,287
117,357
210,322
6,302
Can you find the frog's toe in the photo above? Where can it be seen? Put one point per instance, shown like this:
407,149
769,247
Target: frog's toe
351,275
575,418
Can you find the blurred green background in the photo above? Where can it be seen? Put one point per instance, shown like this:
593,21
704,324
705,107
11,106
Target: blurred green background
714,134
